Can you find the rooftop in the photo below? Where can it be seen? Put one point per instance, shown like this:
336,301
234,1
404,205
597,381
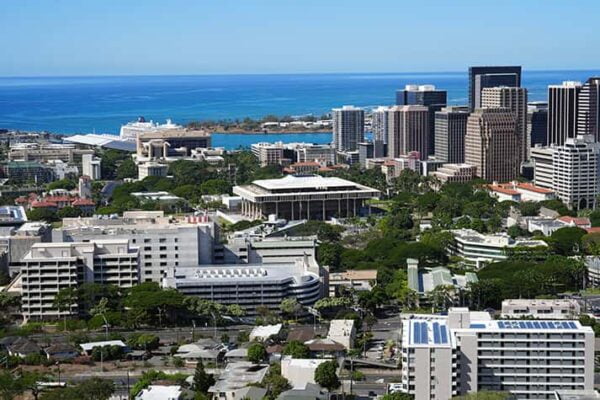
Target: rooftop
160,392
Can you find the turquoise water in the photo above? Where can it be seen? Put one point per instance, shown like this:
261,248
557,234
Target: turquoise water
102,104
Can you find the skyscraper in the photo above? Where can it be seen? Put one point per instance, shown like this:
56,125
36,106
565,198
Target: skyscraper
484,77
424,95
563,103
348,128
450,131
515,99
537,123
408,130
379,125
492,144
588,112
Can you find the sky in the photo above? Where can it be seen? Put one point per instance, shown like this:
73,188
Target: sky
146,37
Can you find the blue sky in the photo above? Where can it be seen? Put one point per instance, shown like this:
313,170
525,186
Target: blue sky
90,37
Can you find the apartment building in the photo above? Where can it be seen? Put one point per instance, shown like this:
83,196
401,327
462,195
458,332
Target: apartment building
348,128
163,242
45,152
91,166
50,267
465,352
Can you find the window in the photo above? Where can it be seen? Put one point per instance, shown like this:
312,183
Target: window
146,240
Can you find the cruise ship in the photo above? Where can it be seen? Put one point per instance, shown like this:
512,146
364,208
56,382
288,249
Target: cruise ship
130,130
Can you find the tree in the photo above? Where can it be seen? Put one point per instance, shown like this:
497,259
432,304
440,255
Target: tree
397,396
127,169
42,214
202,380
67,184
274,382
149,300
64,300
485,395
10,387
257,352
567,241
215,186
235,310
68,212
326,375
296,349
91,389
290,306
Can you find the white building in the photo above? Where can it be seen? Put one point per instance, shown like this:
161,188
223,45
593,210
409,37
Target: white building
571,170
303,197
152,168
163,242
426,280
324,154
264,332
268,153
51,267
343,332
520,191
300,372
541,309
162,392
466,352
455,173
251,285
348,128
91,166
479,249
237,376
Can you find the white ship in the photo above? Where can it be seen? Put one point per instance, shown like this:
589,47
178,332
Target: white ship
130,130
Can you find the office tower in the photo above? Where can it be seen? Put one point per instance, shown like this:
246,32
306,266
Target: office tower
537,124
484,77
492,144
450,131
542,166
408,130
466,352
514,99
379,126
365,152
268,153
424,95
588,112
348,128
563,102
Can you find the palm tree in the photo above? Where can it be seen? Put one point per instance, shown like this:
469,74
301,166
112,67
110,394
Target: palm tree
64,300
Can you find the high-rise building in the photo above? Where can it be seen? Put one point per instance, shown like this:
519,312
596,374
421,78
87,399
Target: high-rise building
408,130
450,131
424,95
542,166
468,351
348,128
537,124
492,144
588,112
514,99
365,152
563,103
484,77
379,126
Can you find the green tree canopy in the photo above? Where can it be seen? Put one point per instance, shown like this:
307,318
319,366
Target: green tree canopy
257,353
326,375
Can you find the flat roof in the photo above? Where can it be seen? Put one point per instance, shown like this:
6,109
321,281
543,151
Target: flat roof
426,333
303,182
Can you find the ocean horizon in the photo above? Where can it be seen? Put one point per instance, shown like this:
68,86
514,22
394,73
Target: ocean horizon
101,104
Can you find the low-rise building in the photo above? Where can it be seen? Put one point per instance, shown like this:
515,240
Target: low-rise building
479,249
237,376
342,331
541,309
299,372
519,191
251,285
359,280
152,168
170,144
268,153
303,197
455,173
264,332
426,280
164,392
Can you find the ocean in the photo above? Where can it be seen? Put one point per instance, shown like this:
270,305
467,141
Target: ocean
102,104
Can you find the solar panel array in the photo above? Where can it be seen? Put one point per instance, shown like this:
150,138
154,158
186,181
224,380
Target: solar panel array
420,333
440,333
537,325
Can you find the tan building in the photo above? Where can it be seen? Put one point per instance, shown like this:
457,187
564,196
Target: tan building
492,144
359,280
515,99
268,153
455,173
408,130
